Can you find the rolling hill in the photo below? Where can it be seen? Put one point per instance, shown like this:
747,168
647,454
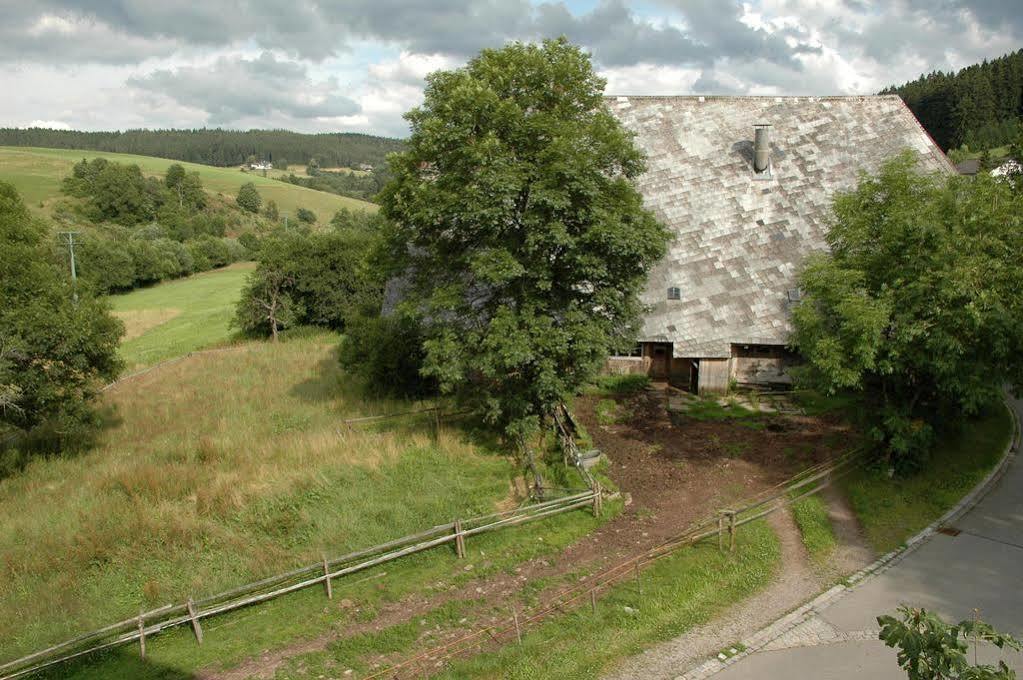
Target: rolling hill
37,175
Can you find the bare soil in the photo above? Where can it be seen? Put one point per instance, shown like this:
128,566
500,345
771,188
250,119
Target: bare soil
672,470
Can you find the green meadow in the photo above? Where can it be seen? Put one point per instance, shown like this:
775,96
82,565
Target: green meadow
177,317
37,174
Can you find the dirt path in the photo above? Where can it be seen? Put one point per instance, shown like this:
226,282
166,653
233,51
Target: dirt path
672,470
797,581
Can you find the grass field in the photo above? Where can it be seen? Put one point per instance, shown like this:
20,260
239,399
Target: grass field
892,510
37,174
177,317
224,468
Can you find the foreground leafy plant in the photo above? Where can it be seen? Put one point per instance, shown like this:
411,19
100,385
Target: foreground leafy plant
930,649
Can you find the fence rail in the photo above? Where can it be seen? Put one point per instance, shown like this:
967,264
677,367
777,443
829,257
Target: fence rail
510,629
192,612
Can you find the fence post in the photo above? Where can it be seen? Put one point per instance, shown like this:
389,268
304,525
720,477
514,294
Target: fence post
593,600
459,539
518,632
721,530
731,531
598,499
142,637
196,628
326,578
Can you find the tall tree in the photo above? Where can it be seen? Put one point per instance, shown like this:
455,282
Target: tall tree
917,306
524,240
54,352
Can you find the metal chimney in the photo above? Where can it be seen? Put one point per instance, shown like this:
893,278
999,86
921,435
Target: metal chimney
761,147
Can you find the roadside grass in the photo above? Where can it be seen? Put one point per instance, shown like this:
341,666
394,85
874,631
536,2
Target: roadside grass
37,174
180,316
710,408
216,471
892,510
811,515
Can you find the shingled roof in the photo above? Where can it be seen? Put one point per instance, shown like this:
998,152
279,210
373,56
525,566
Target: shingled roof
739,237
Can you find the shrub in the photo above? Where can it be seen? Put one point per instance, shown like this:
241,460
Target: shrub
306,215
387,352
249,198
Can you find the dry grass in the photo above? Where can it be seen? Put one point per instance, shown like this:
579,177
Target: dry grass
214,471
138,321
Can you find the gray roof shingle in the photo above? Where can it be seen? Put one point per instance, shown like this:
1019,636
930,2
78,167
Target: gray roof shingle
739,239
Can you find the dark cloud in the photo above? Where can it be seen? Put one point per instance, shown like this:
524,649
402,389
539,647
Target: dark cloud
235,88
316,29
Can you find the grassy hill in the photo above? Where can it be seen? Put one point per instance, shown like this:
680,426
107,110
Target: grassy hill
178,317
37,174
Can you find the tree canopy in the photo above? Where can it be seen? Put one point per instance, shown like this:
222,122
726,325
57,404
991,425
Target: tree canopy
918,305
980,106
54,352
523,239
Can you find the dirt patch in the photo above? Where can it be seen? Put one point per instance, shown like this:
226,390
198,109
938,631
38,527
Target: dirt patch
138,321
673,470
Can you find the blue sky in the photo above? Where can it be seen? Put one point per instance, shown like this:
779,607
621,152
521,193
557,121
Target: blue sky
357,65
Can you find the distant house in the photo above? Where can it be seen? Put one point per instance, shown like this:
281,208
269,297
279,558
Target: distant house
745,185
261,165
365,167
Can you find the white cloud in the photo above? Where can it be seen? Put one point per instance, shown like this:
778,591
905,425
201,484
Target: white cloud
50,124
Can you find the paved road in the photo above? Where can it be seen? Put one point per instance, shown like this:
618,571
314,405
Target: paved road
981,567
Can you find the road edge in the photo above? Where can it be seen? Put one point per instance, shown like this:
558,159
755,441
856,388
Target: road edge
772,631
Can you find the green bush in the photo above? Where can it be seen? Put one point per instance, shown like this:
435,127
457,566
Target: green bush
387,352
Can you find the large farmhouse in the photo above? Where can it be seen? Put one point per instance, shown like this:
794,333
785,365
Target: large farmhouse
745,185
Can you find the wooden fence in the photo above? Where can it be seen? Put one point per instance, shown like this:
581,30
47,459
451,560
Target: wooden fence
724,524
322,573
192,612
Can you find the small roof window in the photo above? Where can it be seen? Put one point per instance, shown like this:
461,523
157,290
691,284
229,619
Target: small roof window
674,293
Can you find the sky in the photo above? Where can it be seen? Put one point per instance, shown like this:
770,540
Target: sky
358,65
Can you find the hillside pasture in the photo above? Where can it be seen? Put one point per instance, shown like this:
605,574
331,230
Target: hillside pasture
218,470
177,317
37,175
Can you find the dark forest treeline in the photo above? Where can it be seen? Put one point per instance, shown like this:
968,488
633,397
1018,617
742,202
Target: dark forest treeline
217,146
981,106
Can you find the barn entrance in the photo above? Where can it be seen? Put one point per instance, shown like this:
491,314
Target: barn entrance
660,359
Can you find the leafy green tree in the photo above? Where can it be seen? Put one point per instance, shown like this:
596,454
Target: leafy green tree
312,168
917,306
271,212
105,262
174,176
527,242
266,305
249,198
305,215
54,353
115,192
930,649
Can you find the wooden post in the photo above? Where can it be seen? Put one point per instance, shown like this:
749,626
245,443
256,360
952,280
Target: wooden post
459,539
518,632
721,531
196,628
639,581
598,499
326,578
731,531
593,600
142,637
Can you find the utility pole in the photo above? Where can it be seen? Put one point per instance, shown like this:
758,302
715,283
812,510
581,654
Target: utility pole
70,236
